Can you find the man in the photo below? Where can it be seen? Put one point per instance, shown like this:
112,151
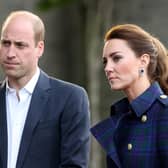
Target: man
44,122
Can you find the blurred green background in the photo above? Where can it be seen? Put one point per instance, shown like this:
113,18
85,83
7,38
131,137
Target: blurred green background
74,40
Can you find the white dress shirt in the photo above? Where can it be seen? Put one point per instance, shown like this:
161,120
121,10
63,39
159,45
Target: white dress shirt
17,109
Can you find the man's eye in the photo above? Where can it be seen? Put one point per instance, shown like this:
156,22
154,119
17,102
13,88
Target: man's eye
20,45
5,43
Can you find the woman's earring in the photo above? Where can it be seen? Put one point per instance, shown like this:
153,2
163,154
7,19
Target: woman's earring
141,71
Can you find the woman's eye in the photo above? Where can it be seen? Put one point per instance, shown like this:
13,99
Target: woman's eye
104,62
116,58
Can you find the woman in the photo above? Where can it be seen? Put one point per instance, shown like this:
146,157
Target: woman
136,133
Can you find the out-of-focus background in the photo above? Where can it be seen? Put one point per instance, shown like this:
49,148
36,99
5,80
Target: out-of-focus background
74,40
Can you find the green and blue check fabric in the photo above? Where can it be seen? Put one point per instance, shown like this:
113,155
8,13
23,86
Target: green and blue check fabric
136,133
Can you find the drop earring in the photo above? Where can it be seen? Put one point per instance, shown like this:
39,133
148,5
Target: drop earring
141,71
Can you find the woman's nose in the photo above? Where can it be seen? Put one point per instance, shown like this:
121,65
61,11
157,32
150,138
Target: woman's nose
108,67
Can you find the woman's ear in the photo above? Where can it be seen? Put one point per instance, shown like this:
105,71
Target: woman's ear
145,59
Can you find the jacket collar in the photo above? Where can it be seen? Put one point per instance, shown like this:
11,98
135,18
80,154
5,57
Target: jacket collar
142,103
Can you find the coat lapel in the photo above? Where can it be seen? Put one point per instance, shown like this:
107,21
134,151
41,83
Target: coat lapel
104,132
38,102
3,127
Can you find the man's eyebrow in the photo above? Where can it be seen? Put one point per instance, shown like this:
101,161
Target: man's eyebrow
5,40
20,43
16,43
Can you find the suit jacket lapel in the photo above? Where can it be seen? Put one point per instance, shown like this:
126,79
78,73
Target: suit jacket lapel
104,132
3,127
38,102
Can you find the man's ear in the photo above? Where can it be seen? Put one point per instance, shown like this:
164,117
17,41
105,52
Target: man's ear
40,48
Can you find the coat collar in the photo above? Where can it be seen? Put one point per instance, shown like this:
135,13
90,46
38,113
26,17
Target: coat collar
104,133
142,103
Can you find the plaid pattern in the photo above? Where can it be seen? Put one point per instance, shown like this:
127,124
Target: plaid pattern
136,134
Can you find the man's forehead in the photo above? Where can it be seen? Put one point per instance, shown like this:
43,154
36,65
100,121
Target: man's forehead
18,28
17,37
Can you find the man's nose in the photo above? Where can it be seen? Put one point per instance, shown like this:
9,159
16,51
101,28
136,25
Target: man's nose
11,51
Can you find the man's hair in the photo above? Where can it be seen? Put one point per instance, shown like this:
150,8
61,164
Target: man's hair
37,23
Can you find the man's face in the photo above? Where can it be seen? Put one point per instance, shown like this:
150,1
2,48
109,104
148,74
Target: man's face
18,53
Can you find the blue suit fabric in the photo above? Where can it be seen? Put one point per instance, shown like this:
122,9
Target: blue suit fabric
56,131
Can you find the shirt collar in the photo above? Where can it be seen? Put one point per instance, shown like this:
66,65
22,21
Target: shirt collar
142,103
29,87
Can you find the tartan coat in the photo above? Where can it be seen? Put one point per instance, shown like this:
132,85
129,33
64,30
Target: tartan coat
136,133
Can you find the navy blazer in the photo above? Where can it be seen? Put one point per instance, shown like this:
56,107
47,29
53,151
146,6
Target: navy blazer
56,131
136,134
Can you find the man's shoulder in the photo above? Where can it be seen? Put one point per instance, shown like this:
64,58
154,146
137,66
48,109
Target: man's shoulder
65,85
60,85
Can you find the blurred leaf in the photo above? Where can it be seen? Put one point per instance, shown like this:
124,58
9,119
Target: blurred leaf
48,4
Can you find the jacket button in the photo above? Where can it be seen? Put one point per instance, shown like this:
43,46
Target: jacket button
144,118
163,96
129,146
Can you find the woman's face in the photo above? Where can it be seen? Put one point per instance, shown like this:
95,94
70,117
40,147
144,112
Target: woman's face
120,64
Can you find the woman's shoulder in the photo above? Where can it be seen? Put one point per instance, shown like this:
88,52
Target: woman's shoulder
163,98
